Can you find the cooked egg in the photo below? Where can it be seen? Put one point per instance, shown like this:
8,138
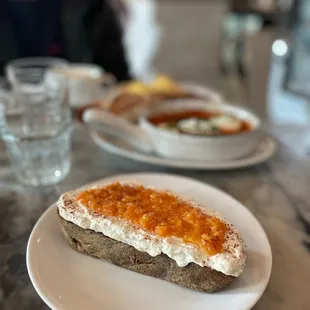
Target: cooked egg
226,123
196,126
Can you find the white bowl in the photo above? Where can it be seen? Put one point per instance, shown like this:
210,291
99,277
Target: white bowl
178,145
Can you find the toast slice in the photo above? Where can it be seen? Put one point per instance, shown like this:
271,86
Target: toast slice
155,233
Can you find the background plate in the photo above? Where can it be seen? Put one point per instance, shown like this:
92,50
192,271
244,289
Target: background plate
115,145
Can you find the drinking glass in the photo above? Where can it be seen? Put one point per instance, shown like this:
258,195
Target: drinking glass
37,132
30,72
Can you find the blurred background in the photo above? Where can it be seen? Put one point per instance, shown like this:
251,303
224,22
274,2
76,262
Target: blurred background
256,52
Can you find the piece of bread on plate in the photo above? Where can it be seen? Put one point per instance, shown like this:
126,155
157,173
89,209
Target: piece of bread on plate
128,106
153,232
132,99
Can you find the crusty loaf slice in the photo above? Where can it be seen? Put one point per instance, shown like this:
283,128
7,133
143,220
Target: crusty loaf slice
97,245
153,232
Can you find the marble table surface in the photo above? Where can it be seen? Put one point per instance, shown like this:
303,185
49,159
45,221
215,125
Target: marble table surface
277,192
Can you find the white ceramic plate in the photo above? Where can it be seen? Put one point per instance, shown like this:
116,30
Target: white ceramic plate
66,279
115,145
203,91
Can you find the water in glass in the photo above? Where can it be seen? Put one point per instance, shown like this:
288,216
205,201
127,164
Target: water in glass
37,133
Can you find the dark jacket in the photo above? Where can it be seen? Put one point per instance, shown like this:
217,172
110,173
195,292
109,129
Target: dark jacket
78,30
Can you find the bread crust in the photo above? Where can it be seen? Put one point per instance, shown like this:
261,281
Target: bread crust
97,245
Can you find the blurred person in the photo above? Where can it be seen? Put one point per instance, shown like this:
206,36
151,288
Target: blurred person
142,36
78,30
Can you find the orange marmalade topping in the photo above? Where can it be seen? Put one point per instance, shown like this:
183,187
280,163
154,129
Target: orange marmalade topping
157,212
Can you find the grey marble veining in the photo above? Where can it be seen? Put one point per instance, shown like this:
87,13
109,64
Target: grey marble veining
277,192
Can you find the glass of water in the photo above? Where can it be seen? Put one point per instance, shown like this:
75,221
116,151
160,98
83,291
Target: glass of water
37,132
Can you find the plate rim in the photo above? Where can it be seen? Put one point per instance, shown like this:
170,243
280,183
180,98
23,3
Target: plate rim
28,262
251,160
53,206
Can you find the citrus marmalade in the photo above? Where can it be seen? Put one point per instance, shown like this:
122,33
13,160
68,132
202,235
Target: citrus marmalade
157,212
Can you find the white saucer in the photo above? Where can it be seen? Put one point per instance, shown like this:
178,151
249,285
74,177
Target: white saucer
66,279
120,147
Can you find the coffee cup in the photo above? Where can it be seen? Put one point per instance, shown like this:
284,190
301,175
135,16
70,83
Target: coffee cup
85,82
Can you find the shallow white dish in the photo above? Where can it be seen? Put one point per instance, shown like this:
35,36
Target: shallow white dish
265,150
66,279
180,146
203,92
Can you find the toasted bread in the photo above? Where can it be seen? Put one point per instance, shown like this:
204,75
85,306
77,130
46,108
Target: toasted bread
155,233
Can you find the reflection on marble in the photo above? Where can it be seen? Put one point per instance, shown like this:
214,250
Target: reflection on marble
277,193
